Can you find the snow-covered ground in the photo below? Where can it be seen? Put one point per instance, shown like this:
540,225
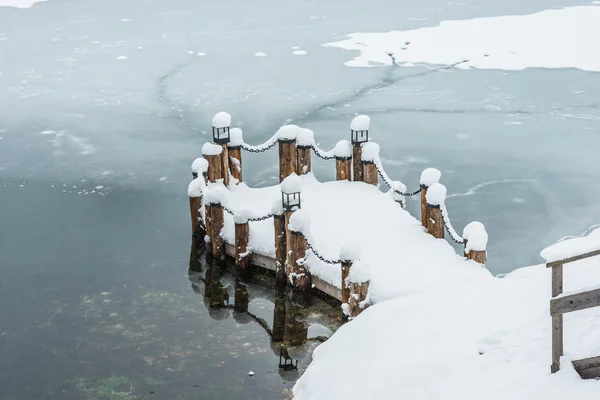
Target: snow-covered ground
561,38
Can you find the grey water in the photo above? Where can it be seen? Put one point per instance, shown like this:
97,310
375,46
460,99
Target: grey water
105,103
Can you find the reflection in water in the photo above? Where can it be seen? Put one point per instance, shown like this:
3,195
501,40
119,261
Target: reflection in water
289,330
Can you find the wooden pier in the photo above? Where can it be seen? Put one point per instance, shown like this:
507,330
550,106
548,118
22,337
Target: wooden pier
294,254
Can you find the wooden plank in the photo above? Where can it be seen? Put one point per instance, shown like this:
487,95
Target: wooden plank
575,302
588,368
557,281
573,259
557,342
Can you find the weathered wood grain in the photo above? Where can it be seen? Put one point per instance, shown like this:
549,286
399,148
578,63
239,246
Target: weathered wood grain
303,162
225,165
370,173
357,163
235,167
435,221
287,158
342,169
588,368
242,234
575,302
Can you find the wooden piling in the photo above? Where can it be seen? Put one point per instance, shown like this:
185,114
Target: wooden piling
195,205
357,163
479,256
216,212
287,158
435,221
343,168
424,205
225,165
235,161
346,265
280,249
242,233
557,320
370,172
209,228
214,168
300,277
358,294
303,163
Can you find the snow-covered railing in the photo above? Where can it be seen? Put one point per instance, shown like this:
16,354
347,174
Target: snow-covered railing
556,257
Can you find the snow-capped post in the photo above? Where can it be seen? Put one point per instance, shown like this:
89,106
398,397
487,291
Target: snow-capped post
221,136
343,160
358,280
429,177
286,136
200,167
476,239
212,154
435,198
347,256
304,142
298,275
242,234
234,148
370,152
396,190
195,191
359,134
280,246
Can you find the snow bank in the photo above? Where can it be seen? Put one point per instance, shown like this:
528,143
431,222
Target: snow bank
221,120
288,132
211,149
19,3
292,184
277,208
300,222
561,38
305,137
572,247
200,166
430,176
360,123
370,151
196,187
436,194
236,137
476,236
359,272
343,149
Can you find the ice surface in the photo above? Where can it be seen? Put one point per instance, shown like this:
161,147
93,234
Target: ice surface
360,123
221,120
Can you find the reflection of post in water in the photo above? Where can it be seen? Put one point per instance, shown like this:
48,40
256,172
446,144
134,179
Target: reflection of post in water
214,291
241,298
195,252
296,332
279,316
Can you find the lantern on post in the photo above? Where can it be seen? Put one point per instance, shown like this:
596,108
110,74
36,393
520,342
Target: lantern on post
291,188
359,134
220,127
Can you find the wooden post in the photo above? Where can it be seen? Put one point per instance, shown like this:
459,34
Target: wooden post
303,164
557,320
346,265
342,168
216,213
280,249
298,274
225,165
209,228
357,163
424,218
235,161
214,167
369,172
477,256
195,205
287,158
358,294
435,221
242,233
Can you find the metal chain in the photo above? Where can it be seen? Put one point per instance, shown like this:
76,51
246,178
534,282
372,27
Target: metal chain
250,219
251,149
455,240
320,257
320,155
406,194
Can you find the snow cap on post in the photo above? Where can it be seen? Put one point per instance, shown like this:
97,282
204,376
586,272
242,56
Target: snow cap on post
360,272
370,152
216,193
305,138
277,208
291,184
476,237
300,222
241,216
343,150
221,120
436,194
210,149
398,186
360,123
288,132
199,166
349,252
196,188
236,137
430,176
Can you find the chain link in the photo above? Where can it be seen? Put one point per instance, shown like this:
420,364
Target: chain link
254,219
406,194
320,257
253,149
446,225
320,155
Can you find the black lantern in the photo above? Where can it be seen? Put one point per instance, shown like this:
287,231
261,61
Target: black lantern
359,137
221,135
290,201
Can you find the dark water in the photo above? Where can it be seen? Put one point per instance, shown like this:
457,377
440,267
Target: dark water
103,296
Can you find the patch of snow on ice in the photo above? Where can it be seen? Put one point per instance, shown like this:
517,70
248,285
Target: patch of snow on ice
299,53
122,58
19,3
260,54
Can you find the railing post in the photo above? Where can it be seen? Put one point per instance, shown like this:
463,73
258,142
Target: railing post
398,186
200,168
429,177
557,320
343,160
346,265
436,195
476,238
212,154
208,226
358,280
234,148
370,152
359,134
216,213
304,141
280,243
242,234
195,190
221,124
287,150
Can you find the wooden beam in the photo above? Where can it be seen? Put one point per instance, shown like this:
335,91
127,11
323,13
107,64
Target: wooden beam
575,302
588,368
573,259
